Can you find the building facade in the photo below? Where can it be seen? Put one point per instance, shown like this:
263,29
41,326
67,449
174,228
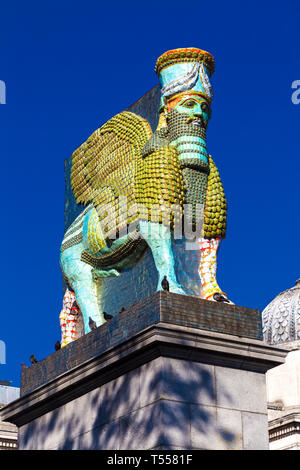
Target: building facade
8,431
281,326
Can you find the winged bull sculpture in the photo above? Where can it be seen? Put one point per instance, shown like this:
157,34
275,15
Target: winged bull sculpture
137,186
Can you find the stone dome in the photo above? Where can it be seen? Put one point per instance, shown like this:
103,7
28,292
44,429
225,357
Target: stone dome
281,318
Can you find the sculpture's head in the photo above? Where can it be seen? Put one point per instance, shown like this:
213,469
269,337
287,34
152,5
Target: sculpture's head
185,70
186,96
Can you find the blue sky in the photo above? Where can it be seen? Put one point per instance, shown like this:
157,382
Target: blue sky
70,66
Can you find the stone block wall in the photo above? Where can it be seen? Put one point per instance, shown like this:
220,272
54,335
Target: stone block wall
165,404
173,372
167,307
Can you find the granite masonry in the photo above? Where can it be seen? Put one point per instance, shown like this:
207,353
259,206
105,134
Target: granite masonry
172,372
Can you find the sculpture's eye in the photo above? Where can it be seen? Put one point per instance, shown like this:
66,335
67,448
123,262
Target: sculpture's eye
204,107
189,104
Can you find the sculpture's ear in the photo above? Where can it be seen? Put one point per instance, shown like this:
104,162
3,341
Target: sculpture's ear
209,114
162,121
165,108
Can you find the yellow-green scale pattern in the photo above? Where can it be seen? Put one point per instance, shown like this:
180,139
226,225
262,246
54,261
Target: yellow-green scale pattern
216,206
159,185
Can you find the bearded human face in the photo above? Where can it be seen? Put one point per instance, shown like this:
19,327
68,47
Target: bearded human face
195,106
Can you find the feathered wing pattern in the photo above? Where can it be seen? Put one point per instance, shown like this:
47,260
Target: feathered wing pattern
108,169
215,206
104,167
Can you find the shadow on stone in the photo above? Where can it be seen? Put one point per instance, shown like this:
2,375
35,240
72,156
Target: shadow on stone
166,403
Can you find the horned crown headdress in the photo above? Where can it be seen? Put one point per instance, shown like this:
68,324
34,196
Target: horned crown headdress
187,69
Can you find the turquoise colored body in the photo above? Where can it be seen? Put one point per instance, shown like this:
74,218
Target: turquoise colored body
165,256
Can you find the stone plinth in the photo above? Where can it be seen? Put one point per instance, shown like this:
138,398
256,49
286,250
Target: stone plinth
172,372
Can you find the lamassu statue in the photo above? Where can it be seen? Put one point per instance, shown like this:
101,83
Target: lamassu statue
142,189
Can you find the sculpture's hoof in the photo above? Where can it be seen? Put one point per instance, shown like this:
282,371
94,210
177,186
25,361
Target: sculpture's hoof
178,291
175,289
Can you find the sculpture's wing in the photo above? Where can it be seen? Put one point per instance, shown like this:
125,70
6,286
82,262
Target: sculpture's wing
103,167
107,158
216,206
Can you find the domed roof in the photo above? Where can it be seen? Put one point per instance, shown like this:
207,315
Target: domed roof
281,318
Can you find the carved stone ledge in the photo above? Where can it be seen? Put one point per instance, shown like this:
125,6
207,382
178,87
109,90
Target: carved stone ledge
162,339
175,309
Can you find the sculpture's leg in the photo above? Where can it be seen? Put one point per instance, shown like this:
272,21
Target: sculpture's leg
86,297
79,275
68,319
158,238
210,289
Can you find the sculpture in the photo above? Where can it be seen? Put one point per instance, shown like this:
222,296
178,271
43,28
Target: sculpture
138,186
